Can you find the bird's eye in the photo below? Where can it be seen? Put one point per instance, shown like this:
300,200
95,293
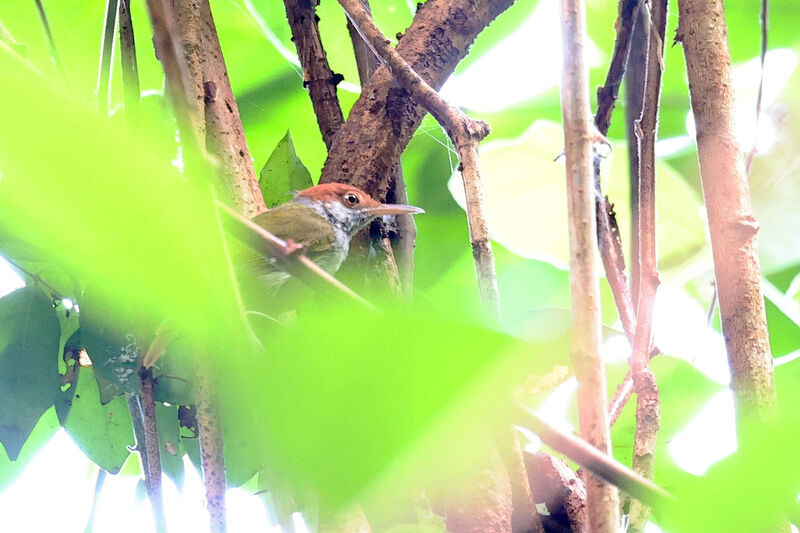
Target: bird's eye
350,199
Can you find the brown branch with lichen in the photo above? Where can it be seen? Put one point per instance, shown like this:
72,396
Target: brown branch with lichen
465,133
151,456
318,77
383,120
584,279
733,228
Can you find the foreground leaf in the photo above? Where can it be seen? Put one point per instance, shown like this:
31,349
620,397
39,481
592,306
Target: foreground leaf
29,382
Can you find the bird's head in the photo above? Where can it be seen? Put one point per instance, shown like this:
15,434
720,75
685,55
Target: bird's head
349,208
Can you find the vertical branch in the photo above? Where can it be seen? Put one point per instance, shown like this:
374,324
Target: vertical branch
653,19
152,463
225,133
127,48
51,42
764,47
209,432
189,33
318,77
404,234
634,97
601,497
703,32
106,56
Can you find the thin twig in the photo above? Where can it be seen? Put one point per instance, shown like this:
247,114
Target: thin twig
318,77
127,49
594,460
601,498
36,278
152,473
272,247
465,133
106,57
764,34
607,94
648,408
51,42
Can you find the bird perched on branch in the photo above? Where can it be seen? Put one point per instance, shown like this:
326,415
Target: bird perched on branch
322,219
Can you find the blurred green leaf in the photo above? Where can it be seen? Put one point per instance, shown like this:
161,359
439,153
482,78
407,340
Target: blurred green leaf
103,432
526,199
29,383
283,174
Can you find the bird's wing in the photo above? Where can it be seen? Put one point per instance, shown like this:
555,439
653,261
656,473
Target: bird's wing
301,224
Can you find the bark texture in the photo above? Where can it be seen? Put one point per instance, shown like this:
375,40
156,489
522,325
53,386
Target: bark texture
224,132
584,277
318,77
384,118
703,32
556,485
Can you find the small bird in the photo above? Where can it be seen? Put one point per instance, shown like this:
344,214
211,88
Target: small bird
323,219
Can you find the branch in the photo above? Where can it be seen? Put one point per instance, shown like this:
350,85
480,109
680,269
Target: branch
151,458
731,222
370,143
127,49
224,130
594,460
465,133
106,49
51,42
584,280
764,34
287,254
557,486
318,77
648,407
607,94
212,458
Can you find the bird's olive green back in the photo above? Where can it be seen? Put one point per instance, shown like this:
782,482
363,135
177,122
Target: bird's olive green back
299,223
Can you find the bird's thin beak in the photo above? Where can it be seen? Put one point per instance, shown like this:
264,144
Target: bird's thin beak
394,209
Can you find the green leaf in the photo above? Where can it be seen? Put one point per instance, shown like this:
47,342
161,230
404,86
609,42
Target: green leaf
103,432
29,382
169,442
283,174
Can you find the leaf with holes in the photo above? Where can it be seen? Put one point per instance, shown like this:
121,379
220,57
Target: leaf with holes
29,382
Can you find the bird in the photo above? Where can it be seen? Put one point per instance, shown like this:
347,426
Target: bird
323,219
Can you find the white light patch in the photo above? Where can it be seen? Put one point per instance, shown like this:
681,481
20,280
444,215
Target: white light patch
708,437
680,329
9,280
496,81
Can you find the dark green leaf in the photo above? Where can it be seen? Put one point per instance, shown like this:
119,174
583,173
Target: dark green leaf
29,382
103,432
283,174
